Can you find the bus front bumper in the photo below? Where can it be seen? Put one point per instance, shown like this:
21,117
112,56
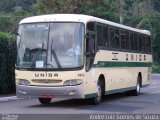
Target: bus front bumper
50,92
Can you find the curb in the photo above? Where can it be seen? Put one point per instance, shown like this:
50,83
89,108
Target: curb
11,98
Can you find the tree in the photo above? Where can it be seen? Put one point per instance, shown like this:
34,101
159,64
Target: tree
106,9
55,6
144,15
6,5
5,23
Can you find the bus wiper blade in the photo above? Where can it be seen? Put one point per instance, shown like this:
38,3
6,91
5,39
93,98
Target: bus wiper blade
55,57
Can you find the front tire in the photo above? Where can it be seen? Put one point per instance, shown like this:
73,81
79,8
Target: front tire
45,101
97,99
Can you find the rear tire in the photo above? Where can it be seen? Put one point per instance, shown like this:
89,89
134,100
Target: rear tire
45,101
137,91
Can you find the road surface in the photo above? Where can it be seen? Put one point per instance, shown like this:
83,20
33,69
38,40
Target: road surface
148,102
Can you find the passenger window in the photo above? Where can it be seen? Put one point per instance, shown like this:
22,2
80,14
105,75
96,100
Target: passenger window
114,37
105,36
135,41
132,41
124,36
148,44
99,35
139,42
143,42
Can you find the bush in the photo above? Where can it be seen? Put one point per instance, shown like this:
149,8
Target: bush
7,63
156,68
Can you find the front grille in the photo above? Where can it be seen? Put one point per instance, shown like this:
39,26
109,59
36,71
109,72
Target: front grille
51,81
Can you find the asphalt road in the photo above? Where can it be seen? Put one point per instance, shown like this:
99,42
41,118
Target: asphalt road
148,102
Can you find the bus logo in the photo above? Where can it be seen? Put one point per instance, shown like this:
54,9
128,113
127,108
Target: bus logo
46,75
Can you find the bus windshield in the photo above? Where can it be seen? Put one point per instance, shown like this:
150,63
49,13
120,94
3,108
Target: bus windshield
50,45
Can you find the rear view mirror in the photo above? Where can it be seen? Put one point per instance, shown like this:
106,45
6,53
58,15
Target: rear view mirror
90,45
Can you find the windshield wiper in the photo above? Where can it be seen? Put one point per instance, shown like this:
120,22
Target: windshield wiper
54,55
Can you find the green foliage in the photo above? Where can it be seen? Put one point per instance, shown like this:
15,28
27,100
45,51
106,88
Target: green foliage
7,63
5,24
16,16
156,68
106,9
6,5
144,24
55,6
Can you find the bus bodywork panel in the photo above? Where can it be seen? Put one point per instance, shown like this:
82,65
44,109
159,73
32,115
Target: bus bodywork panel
121,69
49,84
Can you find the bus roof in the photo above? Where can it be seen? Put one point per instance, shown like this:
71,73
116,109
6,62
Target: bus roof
76,18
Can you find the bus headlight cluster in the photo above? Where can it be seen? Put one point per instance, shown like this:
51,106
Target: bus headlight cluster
24,82
72,82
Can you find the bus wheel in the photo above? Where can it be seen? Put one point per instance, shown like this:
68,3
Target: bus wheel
45,100
97,99
137,91
138,88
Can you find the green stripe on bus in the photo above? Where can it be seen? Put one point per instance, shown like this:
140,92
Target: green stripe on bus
121,64
90,95
114,91
119,90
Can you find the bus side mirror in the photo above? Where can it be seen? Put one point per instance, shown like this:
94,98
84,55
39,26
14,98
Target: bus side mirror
90,51
90,46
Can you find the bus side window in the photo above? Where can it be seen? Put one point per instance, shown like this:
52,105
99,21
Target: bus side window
139,42
124,36
105,36
148,44
143,43
132,41
100,35
114,37
135,41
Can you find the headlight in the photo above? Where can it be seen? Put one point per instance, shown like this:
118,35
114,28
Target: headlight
23,82
72,82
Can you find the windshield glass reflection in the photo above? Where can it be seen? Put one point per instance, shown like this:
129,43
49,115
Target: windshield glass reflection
32,45
50,45
65,45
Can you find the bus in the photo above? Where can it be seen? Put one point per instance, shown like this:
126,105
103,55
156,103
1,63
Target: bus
74,56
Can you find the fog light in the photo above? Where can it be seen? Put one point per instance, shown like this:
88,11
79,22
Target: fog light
24,82
22,92
73,92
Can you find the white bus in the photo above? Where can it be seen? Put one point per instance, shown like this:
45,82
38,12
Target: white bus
80,57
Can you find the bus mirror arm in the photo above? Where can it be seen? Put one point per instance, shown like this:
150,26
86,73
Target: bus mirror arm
15,33
97,49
